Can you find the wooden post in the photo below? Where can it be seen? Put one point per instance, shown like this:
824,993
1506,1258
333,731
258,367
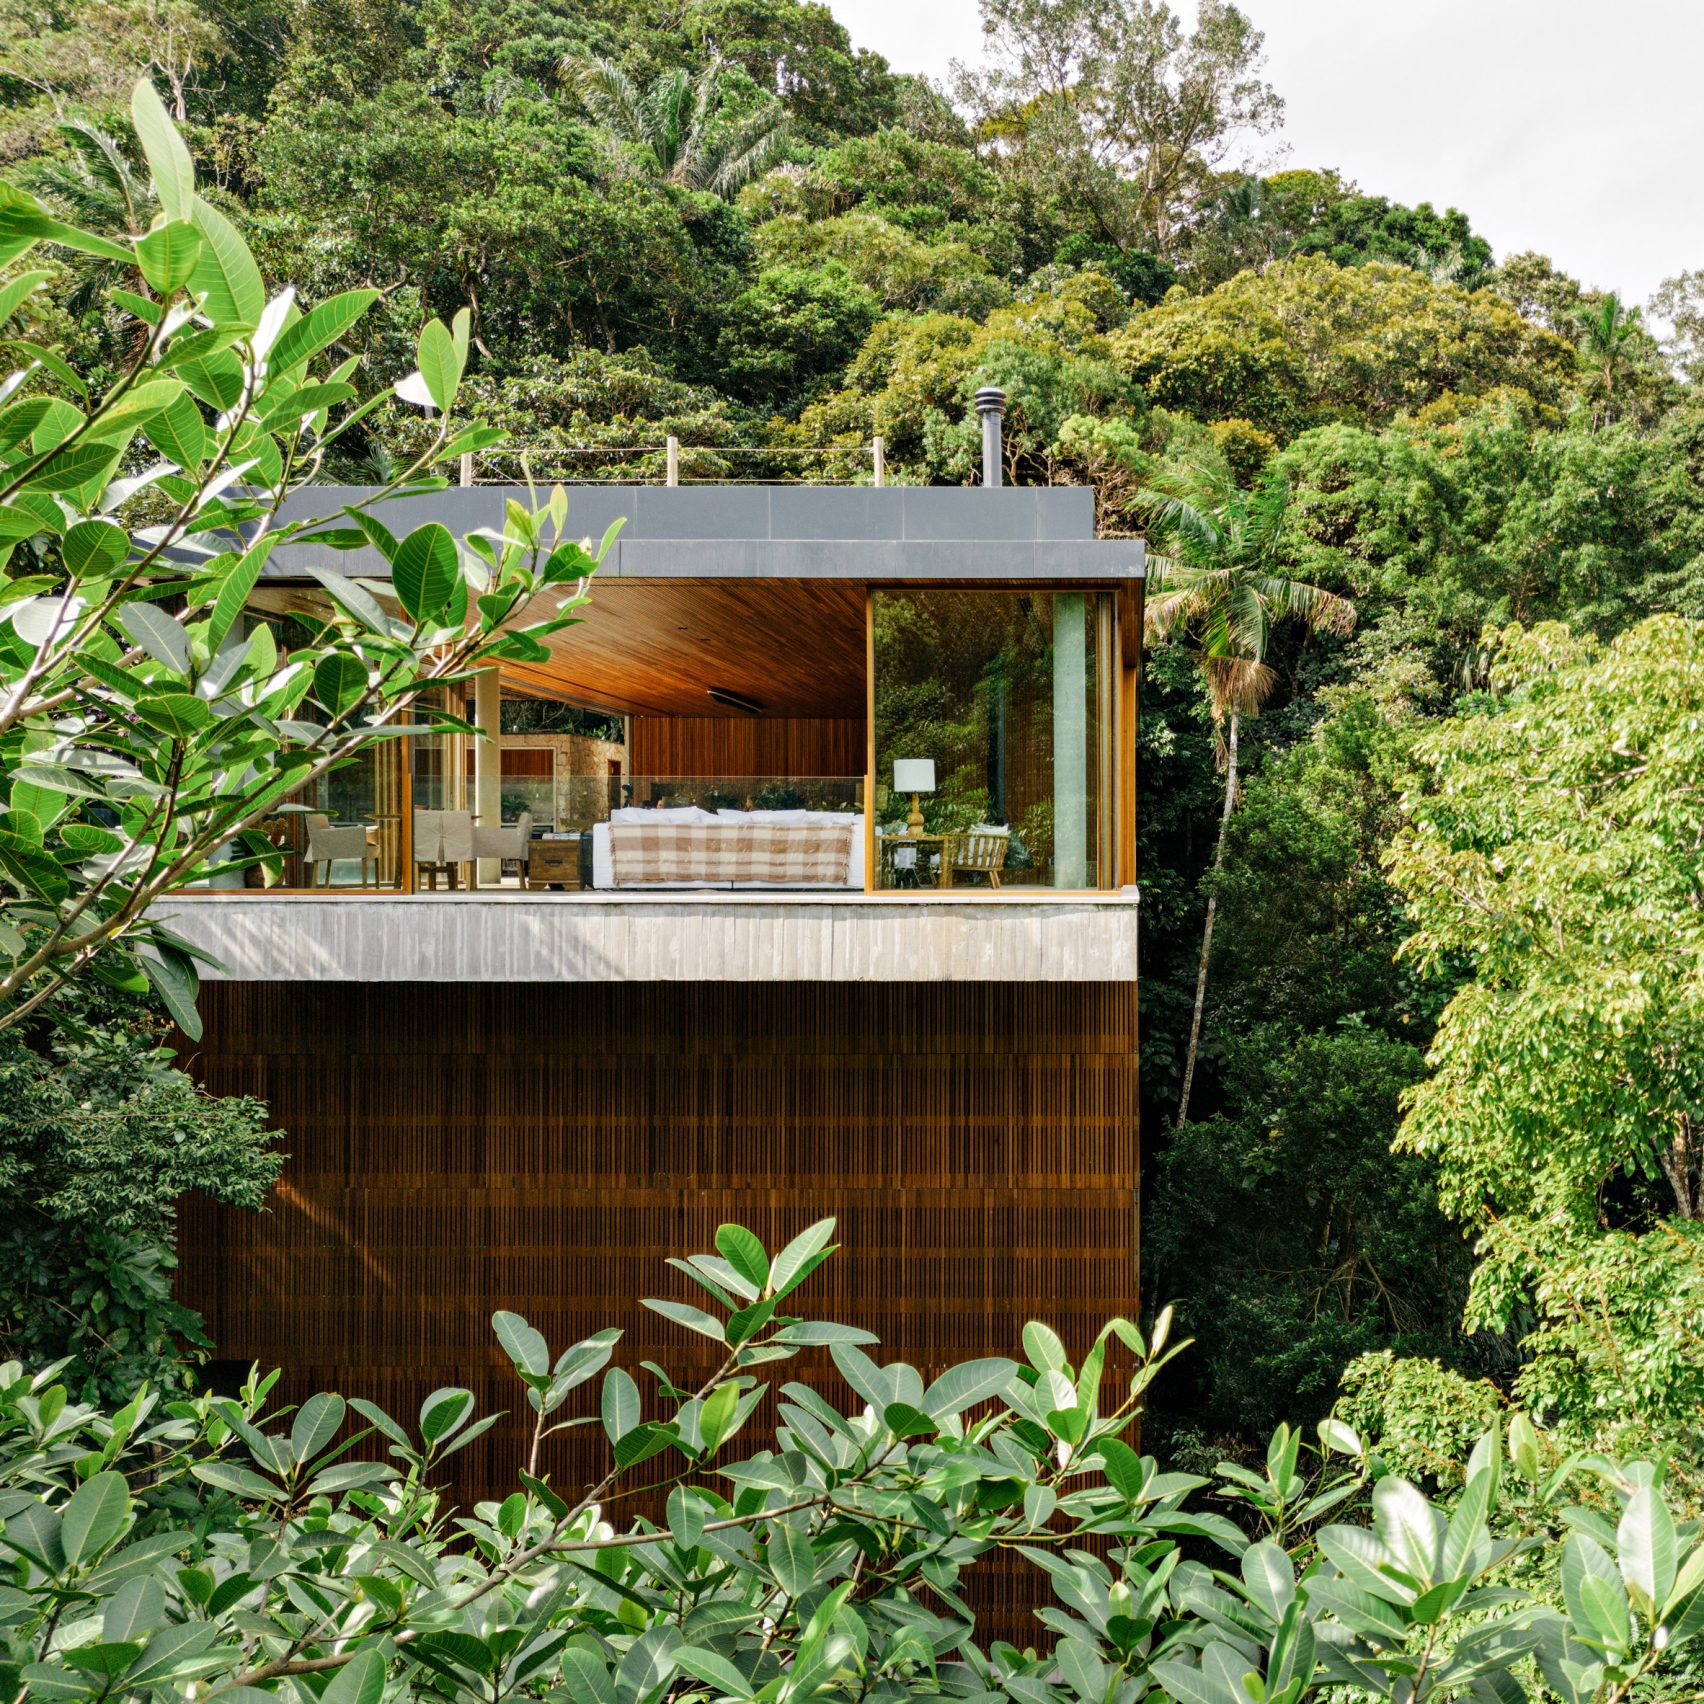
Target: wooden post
488,765
467,467
674,461
878,456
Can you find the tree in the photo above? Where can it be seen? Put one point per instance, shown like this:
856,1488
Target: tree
1610,335
100,1137
1221,587
1119,87
145,732
679,127
227,1545
1680,303
1554,856
1255,221
1308,341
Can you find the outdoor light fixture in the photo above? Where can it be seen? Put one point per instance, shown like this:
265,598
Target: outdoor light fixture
914,775
735,701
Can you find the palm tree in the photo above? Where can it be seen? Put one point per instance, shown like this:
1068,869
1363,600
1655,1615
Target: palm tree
1609,337
1221,589
94,186
677,124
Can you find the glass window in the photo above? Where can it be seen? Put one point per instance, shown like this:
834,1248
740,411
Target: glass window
988,751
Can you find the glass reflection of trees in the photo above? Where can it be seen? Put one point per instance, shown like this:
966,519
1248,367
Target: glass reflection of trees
975,681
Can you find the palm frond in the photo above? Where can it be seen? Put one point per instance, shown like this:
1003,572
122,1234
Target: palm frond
610,96
1239,684
750,151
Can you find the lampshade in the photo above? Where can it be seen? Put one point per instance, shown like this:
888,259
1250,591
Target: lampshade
914,774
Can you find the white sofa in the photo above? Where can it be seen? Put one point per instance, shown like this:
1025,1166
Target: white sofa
603,863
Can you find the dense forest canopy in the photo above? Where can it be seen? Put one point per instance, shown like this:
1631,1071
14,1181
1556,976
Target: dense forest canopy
720,221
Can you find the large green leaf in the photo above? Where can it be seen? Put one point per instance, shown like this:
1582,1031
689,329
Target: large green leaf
340,680
317,1422
99,1510
320,326
75,467
440,364
524,1345
967,1384
745,1253
169,255
1593,1591
168,159
225,276
94,549
694,1319
1645,1548
425,570
175,980
791,1558
362,1682
800,1257
12,294
179,433
178,715
716,1672
620,1404
233,596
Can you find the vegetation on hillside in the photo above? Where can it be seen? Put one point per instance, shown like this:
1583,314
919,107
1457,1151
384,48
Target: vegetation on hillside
1443,1123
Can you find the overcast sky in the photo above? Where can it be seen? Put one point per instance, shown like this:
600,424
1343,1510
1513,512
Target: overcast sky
1569,127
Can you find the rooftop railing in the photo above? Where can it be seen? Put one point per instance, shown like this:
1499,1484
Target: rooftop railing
674,463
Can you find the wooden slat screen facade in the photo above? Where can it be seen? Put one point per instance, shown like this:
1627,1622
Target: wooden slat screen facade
455,1149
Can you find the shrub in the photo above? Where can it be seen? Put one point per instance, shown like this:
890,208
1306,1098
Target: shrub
214,1546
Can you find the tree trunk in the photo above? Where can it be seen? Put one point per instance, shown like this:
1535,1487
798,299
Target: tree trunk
1207,931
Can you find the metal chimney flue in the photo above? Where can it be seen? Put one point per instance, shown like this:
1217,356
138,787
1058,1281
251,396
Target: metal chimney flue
991,409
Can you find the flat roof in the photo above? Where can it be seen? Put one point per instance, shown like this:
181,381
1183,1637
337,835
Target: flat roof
793,532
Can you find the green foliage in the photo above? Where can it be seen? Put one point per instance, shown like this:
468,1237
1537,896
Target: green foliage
1554,857
221,1543
1256,221
1309,341
143,745
791,331
100,1136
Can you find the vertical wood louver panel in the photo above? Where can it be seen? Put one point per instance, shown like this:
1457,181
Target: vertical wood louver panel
543,1148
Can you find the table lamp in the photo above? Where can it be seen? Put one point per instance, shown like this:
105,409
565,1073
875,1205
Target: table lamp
914,775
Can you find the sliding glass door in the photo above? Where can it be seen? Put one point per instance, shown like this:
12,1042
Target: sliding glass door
991,738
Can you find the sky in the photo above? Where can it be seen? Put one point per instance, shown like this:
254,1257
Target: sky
1572,128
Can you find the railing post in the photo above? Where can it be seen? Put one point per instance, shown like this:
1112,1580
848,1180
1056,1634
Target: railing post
674,461
467,467
878,457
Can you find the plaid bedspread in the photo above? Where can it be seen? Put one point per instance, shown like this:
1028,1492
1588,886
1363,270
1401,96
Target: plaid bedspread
644,854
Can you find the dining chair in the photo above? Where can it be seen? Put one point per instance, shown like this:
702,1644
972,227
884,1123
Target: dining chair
509,842
327,844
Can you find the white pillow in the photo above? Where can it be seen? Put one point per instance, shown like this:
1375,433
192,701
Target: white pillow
674,813
778,816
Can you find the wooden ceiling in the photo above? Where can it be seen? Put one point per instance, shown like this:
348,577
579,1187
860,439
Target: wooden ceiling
656,647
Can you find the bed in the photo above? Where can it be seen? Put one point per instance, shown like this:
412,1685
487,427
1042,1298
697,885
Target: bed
690,848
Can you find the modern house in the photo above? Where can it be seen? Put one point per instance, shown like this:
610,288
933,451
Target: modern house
824,903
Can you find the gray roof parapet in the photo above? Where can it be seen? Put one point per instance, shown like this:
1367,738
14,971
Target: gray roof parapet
775,532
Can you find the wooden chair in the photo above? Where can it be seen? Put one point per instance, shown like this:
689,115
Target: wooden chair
982,850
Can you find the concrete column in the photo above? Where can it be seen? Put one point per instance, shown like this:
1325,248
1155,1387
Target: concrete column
488,765
1070,742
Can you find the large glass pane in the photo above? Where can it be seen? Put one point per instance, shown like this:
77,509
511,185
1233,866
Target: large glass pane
987,739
